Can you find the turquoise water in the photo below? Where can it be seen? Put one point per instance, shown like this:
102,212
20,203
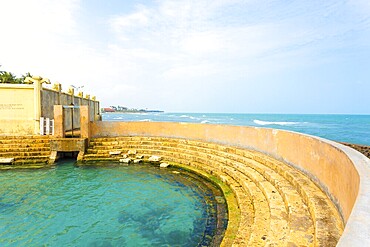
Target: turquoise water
106,206
344,128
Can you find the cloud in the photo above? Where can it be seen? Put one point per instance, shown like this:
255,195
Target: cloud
176,48
130,23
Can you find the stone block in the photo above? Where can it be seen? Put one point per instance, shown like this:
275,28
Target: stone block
115,152
155,158
137,161
163,165
6,160
126,161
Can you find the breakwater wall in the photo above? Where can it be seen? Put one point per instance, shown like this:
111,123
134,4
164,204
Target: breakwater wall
343,173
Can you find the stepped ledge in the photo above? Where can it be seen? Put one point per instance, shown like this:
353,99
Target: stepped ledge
290,189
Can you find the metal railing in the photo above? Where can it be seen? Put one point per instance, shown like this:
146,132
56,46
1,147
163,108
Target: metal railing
46,126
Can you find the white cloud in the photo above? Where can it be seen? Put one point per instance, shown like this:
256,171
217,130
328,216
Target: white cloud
170,46
137,19
203,42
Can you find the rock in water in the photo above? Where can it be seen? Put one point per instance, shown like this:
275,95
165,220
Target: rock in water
127,160
163,165
155,158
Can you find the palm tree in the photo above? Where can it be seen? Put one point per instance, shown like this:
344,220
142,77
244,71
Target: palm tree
23,77
7,77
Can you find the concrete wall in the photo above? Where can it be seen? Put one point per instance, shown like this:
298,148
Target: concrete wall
17,109
21,107
49,98
341,171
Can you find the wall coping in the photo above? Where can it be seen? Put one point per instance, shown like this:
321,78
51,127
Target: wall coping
16,86
357,229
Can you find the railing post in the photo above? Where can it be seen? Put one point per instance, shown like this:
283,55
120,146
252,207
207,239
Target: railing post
42,126
47,128
52,126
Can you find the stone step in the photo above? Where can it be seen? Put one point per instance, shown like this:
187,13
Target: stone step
32,157
100,159
24,149
328,223
24,154
279,223
278,231
300,222
295,189
244,199
25,137
332,231
38,160
300,213
278,227
24,145
335,227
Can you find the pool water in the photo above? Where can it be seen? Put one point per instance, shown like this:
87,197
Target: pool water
109,205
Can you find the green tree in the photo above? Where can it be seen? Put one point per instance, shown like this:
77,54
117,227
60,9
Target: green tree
8,77
23,77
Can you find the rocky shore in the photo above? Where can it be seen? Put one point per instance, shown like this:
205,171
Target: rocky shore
361,148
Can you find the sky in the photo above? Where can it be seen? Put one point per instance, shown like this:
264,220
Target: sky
227,56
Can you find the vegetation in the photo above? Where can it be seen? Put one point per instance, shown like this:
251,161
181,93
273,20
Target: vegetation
9,77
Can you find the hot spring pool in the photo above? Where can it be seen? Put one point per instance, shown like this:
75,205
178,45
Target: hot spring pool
108,205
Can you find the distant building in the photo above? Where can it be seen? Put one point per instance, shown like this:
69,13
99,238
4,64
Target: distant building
108,109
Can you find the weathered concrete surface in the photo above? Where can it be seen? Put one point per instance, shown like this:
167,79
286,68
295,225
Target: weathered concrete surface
68,144
85,121
341,171
59,131
16,109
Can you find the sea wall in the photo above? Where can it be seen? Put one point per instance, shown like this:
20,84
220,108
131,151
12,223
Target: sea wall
342,172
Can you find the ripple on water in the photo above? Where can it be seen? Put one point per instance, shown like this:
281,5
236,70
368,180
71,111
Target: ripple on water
105,206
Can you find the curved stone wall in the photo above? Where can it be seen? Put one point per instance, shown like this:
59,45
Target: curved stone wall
342,172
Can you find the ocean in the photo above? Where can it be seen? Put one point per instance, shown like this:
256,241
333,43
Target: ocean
343,128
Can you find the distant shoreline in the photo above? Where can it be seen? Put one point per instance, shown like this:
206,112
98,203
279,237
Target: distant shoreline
124,112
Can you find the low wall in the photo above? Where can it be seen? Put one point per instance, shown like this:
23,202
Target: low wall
341,171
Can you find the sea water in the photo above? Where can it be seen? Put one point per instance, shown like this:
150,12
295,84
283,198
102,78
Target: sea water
109,205
342,128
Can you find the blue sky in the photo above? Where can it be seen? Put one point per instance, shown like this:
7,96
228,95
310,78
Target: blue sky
251,56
